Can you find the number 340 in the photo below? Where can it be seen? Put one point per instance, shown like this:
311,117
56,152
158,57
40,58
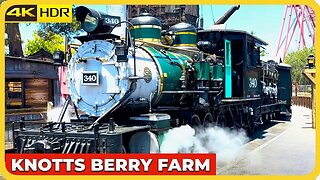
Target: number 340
253,82
89,78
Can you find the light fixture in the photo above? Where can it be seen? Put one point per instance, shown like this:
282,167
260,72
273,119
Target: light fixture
311,60
58,57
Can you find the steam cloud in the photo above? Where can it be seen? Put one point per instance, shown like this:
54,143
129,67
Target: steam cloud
227,144
53,115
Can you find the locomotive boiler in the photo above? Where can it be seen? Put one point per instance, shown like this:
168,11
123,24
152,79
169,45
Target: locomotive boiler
131,90
99,82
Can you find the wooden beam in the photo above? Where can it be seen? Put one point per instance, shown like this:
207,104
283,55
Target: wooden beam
32,74
310,74
31,60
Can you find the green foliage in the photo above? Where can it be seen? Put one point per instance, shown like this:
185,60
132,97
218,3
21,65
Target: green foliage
60,28
263,52
309,90
52,42
298,60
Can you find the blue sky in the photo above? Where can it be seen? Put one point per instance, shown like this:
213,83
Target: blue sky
264,20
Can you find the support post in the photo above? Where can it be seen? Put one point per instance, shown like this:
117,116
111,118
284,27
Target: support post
311,75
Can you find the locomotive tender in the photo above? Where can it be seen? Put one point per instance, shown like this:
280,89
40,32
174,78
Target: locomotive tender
133,90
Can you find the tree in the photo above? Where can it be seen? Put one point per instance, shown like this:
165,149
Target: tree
49,36
263,52
297,60
52,42
14,39
59,28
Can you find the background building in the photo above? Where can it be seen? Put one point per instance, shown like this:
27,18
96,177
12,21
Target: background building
30,83
168,14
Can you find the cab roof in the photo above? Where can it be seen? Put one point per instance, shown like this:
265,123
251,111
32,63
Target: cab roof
238,32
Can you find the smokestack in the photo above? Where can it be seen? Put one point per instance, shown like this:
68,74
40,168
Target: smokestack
201,22
227,15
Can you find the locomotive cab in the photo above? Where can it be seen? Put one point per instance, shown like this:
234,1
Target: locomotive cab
241,71
260,84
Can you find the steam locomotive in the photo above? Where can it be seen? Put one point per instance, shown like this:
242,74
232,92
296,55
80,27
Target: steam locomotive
132,90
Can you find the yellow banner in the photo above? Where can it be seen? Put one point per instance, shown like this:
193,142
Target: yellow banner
54,13
58,13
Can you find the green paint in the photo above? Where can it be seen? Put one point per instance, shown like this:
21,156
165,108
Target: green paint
202,71
161,137
212,73
139,33
185,39
216,72
171,71
228,70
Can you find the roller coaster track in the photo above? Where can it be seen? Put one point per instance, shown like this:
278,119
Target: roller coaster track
303,16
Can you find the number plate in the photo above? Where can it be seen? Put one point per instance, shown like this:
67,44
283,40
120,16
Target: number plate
90,78
111,20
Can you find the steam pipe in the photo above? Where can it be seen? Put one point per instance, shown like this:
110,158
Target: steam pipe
64,109
227,15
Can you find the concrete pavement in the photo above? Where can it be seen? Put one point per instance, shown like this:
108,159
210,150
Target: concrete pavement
285,149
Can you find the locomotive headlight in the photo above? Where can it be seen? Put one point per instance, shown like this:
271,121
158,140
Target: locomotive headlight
89,18
90,23
95,22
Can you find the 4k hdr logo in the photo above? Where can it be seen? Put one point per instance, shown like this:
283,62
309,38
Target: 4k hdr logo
39,13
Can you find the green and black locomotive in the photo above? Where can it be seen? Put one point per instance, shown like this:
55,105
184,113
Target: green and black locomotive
132,90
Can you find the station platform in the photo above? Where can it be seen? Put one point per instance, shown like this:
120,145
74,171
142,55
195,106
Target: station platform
286,148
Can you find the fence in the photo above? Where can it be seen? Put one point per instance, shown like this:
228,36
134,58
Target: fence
304,101
301,95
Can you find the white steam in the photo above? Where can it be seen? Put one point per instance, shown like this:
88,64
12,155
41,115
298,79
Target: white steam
54,113
227,144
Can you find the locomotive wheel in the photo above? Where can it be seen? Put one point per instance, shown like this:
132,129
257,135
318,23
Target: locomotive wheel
279,116
263,118
220,120
267,118
242,117
195,121
251,124
208,120
273,116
